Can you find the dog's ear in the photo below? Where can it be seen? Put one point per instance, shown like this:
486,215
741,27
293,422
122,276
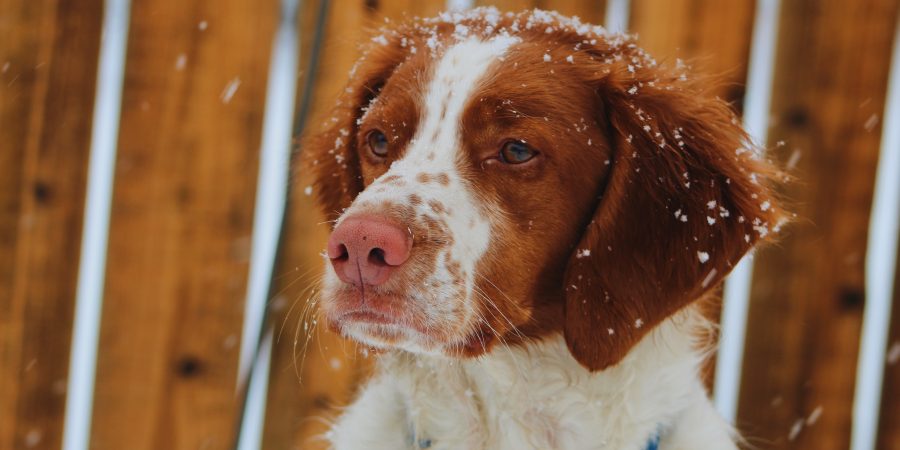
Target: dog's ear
330,154
685,199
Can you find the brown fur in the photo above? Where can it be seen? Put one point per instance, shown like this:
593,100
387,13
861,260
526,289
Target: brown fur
602,183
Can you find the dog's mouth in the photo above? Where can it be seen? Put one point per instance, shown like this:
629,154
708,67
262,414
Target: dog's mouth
376,318
365,316
388,320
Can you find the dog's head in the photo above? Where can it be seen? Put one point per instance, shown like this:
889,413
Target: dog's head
501,177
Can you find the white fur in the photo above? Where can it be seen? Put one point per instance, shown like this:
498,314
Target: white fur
539,397
435,150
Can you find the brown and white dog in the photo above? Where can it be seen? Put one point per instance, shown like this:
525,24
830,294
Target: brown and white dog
525,209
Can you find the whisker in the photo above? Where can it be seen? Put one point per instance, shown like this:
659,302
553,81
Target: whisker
493,304
310,288
304,323
500,338
311,285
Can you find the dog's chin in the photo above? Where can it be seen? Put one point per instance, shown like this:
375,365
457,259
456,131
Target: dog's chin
392,337
389,336
384,333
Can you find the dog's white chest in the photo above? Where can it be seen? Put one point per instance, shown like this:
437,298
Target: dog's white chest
534,398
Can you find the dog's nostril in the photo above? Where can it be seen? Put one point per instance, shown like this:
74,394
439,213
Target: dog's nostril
376,257
343,254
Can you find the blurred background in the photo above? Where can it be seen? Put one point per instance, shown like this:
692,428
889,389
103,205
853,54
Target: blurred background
144,154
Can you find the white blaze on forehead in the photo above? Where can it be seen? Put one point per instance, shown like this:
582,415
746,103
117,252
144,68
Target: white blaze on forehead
436,147
456,77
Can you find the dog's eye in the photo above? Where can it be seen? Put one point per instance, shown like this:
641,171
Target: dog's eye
378,143
516,152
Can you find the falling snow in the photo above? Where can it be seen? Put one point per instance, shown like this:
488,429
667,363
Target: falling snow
795,429
181,62
871,123
814,416
33,438
708,279
893,355
230,90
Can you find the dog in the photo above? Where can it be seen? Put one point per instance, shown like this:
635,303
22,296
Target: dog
526,209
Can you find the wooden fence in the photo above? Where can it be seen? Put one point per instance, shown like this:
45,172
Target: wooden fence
181,218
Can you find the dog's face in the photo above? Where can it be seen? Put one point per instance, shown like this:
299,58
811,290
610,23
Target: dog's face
501,177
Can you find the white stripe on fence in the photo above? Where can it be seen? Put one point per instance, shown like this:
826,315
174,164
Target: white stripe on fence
736,298
459,5
271,195
881,263
618,13
253,420
95,234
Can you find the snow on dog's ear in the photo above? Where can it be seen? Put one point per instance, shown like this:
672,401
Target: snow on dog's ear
685,199
330,154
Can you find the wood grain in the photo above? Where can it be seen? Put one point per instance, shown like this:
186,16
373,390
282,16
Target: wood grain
889,426
184,193
591,11
48,59
711,36
182,214
808,296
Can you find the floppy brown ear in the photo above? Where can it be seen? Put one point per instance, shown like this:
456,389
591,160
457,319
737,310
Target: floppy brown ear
330,153
686,198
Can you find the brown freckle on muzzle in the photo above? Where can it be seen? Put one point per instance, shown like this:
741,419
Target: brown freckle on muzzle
443,179
423,177
455,269
437,206
414,199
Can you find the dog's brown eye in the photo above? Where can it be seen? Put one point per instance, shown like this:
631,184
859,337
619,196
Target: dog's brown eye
516,152
378,143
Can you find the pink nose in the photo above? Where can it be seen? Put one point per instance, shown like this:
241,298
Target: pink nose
365,249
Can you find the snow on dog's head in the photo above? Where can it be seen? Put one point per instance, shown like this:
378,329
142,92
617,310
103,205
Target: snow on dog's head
501,177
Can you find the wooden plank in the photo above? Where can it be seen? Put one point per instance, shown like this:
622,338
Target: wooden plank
400,9
182,213
889,426
48,63
711,36
808,296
